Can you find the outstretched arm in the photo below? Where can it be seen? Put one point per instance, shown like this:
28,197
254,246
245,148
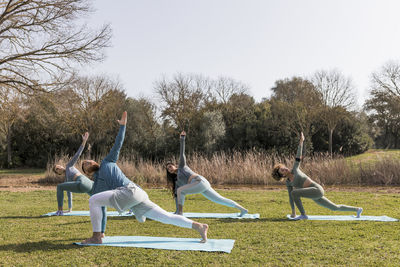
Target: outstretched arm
182,157
299,152
114,152
75,158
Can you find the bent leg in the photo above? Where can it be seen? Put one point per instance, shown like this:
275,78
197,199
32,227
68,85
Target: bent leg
96,204
67,186
188,189
308,192
324,202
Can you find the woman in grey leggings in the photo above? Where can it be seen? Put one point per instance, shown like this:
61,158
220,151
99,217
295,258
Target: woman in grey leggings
305,187
184,181
74,180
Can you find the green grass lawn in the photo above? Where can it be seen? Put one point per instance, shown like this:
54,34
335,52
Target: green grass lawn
30,240
374,155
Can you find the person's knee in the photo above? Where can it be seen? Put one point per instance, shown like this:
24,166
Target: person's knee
92,202
295,194
181,194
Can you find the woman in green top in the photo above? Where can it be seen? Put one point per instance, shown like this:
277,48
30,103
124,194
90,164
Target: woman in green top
300,185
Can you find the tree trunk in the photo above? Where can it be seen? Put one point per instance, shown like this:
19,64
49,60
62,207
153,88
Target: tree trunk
330,141
9,158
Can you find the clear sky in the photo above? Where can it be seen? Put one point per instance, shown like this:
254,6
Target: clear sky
253,41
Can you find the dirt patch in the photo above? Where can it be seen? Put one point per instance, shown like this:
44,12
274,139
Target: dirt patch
22,183
26,183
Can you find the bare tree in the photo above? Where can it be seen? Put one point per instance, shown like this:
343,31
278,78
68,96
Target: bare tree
225,87
387,79
384,104
94,105
181,98
337,94
40,40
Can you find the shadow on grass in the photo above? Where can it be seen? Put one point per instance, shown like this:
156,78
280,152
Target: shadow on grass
280,219
22,217
39,246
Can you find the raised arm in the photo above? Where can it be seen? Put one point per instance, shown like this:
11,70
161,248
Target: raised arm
182,157
78,153
114,152
299,152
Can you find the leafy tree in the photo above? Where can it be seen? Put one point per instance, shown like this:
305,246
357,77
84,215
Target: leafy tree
300,104
11,109
144,136
384,105
337,92
212,130
351,135
239,118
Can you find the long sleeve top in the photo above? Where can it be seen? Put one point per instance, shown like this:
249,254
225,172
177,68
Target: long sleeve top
71,171
184,172
299,176
110,176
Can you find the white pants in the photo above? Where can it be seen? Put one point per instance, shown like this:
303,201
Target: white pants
158,214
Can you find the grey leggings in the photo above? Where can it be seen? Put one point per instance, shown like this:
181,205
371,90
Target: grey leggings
82,184
200,185
316,193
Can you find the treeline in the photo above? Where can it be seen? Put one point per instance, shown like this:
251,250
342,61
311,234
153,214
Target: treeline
45,106
218,115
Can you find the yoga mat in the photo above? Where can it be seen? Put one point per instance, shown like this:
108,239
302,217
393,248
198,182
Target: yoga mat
186,214
170,243
383,218
86,213
220,215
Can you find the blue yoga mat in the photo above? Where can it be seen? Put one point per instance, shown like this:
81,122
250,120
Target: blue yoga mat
220,215
86,213
170,243
349,218
186,214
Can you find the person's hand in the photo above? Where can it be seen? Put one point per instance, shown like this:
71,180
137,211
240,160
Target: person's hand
123,119
85,136
301,137
183,133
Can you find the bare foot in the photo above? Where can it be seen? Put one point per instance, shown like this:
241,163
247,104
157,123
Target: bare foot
103,235
203,232
92,240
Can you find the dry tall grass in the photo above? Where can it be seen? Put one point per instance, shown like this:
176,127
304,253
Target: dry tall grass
254,168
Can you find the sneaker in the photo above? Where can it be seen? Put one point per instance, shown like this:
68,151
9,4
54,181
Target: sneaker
59,213
359,211
301,217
